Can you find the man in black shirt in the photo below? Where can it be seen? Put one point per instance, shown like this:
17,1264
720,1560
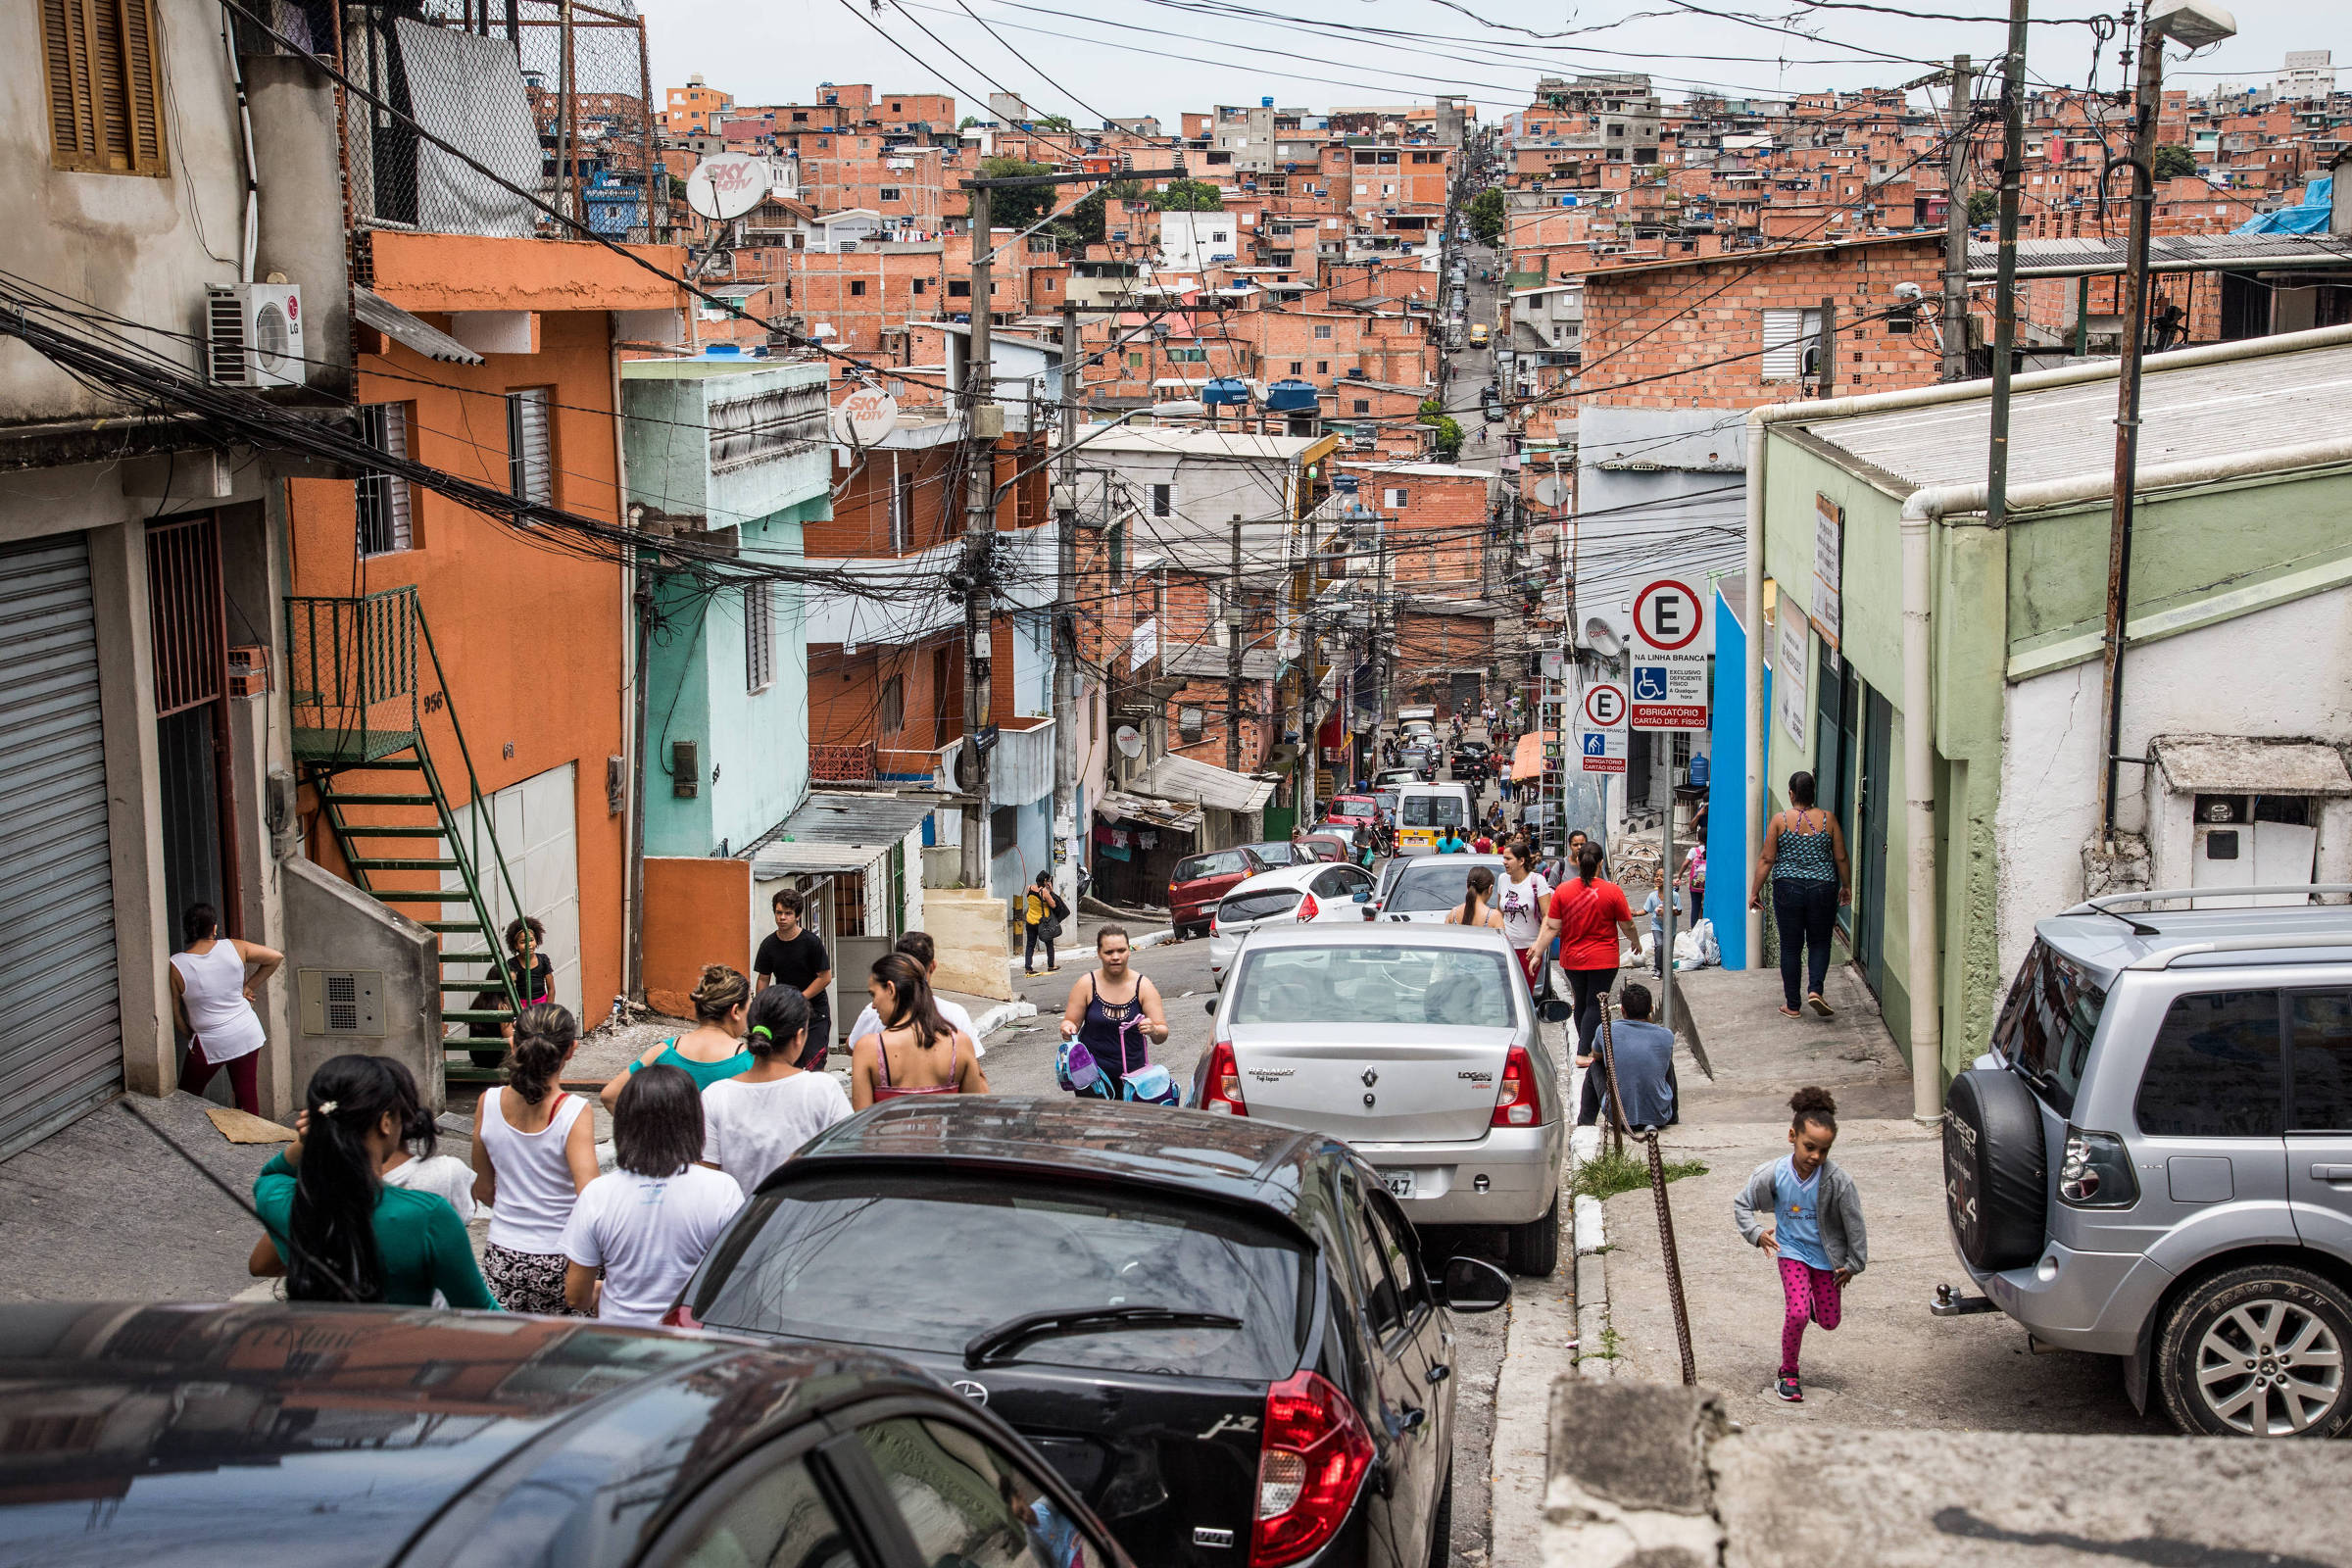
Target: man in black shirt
794,956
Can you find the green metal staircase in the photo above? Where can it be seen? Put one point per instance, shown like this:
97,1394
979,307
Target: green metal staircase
358,714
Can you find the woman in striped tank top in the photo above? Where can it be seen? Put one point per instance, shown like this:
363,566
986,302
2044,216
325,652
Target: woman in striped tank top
1805,860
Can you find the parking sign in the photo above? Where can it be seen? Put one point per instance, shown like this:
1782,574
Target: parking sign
1669,657
1600,724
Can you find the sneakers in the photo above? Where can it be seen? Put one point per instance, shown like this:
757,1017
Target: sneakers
1787,1389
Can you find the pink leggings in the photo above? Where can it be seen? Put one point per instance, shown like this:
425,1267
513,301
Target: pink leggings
1812,1295
199,1069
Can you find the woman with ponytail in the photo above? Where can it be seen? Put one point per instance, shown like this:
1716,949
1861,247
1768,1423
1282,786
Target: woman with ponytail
334,1229
534,1149
714,1049
1590,916
1477,902
755,1123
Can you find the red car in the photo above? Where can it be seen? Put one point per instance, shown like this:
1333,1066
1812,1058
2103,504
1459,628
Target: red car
1200,881
1346,811
1329,844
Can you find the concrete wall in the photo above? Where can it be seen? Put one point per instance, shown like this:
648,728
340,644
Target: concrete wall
667,440
694,915
332,925
753,746
968,930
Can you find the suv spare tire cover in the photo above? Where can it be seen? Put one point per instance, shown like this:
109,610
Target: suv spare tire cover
1995,1173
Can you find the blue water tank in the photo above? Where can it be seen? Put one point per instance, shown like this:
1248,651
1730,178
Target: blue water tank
1292,397
1226,391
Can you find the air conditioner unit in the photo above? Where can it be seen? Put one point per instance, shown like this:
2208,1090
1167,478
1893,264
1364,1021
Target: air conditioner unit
253,334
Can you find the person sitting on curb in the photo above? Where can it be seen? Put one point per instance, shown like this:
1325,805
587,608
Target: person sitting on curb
1644,1063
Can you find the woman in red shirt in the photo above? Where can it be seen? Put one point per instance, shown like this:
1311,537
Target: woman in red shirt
1588,915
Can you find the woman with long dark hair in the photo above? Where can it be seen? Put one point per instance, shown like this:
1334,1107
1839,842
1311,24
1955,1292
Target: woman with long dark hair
1803,859
215,981
1588,914
334,1228
755,1123
1478,901
534,1151
646,1224
918,1052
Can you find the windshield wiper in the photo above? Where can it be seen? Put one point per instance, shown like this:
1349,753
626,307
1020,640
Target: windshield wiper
999,1343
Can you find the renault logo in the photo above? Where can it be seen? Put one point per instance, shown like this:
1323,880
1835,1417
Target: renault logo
1370,1077
977,1393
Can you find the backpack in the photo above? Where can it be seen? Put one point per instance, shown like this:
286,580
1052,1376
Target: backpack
1076,1071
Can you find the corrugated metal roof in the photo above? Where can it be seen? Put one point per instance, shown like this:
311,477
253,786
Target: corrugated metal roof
1176,816
1182,778
858,817
2201,410
2167,253
402,327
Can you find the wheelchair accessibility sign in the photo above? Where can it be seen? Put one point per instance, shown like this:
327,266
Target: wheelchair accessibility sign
1669,657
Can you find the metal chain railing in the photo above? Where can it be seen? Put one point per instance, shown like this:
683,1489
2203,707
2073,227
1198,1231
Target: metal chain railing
1657,1193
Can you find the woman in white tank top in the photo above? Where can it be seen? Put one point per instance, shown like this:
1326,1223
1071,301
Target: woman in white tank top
534,1147
212,1002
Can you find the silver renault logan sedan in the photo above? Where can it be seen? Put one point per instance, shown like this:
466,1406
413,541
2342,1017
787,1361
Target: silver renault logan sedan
1416,1045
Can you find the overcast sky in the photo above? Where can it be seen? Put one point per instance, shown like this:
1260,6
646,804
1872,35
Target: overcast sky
1161,57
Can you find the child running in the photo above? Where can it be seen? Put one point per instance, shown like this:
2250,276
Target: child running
1816,1226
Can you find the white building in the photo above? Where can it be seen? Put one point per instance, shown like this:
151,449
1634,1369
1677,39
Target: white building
1190,241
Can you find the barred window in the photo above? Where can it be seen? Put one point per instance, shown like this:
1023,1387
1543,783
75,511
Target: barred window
381,501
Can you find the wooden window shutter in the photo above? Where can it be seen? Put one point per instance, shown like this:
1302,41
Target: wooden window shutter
105,83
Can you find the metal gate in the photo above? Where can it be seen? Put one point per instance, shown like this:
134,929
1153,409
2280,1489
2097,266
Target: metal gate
63,1047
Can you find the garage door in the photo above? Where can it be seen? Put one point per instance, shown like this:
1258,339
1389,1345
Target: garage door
62,1048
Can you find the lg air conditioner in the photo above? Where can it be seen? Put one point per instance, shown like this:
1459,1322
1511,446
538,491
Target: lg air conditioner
253,334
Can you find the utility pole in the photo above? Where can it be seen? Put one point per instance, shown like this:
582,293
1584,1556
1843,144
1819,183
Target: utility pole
984,423
2004,290
1828,385
1065,620
1233,655
1309,686
1955,229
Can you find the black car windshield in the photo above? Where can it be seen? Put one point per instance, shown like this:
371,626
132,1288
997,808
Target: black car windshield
1455,987
862,1260
2045,1027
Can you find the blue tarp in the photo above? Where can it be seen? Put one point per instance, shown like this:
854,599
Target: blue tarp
2309,219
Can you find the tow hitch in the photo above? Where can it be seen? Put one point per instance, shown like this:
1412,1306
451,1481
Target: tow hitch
1949,1303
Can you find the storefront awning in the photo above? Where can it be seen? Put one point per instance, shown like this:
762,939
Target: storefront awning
1527,759
841,831
1177,816
1182,778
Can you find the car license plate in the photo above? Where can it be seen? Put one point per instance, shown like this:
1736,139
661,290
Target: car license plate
1400,1183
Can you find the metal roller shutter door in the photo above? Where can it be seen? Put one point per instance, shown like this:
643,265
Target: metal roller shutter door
62,1048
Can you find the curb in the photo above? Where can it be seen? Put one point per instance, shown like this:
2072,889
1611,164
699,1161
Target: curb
1002,1013
1591,1267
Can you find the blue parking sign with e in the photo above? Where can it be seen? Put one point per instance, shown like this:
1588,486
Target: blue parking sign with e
1649,683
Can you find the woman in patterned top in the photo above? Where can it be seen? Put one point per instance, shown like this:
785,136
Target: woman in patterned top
1805,860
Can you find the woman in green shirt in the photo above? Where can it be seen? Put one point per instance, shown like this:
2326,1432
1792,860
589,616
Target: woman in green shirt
335,1230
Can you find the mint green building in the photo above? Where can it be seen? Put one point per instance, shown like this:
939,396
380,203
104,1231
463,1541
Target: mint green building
728,451
1943,678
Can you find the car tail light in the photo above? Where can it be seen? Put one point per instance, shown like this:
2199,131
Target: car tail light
680,1316
1212,924
1221,1085
1310,1463
2096,1172
1515,1096
1308,909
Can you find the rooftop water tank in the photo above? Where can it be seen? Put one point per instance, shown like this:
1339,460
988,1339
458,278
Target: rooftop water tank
1226,391
1292,397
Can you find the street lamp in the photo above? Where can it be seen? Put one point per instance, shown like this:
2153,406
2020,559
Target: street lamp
2192,24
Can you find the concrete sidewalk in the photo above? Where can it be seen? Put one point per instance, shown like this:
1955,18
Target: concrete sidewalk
1890,1365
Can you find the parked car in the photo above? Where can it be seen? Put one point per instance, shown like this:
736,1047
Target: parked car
2154,1161
1420,1049
1419,890
1346,811
1391,778
1288,895
1279,852
1333,844
1218,1330
346,1437
1198,881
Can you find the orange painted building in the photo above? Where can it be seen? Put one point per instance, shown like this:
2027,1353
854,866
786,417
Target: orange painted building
530,640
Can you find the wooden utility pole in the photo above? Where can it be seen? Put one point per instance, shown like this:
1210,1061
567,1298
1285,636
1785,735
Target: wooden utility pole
984,423
1954,321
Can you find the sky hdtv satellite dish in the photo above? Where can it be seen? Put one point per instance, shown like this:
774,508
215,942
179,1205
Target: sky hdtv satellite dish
728,185
1130,743
1601,638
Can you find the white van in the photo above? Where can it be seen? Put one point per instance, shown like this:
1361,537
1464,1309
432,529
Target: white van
1424,810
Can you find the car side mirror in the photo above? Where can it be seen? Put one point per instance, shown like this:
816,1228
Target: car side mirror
1213,1005
1363,896
1473,1285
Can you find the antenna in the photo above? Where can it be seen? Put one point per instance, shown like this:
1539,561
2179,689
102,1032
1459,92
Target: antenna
1130,743
725,186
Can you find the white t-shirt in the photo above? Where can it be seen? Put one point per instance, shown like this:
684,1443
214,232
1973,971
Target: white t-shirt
443,1175
649,1234
956,1014
749,1129
1522,906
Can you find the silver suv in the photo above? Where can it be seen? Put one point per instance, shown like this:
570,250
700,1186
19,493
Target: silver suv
2155,1159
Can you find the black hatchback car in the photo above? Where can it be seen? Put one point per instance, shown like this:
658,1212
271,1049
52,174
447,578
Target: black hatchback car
260,1434
1218,1331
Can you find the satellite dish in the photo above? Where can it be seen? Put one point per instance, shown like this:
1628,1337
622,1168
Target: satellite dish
1552,492
1286,646
728,185
1130,743
1601,638
864,418
1282,759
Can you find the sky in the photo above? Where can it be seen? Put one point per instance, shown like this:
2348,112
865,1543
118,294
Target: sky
1162,57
